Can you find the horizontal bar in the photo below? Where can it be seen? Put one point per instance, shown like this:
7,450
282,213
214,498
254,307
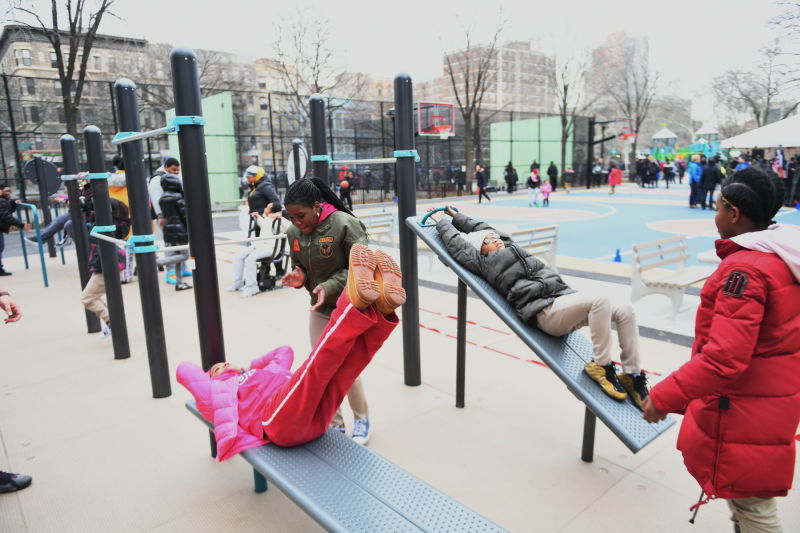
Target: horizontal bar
120,243
142,135
72,177
379,161
224,243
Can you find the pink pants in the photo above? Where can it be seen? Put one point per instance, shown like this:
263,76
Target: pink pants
301,409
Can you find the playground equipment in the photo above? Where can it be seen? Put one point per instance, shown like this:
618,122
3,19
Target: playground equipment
37,227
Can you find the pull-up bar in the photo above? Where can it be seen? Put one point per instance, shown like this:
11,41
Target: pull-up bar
174,126
378,161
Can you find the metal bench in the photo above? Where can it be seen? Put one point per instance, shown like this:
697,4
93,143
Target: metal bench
664,252
346,487
378,224
565,356
541,241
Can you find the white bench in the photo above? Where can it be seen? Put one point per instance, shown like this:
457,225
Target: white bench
664,252
541,242
379,224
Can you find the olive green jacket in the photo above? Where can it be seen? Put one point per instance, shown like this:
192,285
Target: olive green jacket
323,254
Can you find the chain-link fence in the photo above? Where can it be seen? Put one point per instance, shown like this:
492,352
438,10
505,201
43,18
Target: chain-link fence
265,123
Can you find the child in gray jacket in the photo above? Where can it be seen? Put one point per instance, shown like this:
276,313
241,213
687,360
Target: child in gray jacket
542,299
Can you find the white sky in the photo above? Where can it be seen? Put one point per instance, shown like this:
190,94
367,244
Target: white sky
690,40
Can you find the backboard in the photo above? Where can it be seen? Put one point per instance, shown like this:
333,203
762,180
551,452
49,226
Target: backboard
435,119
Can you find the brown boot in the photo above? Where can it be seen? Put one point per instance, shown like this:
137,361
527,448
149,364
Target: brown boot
390,284
362,289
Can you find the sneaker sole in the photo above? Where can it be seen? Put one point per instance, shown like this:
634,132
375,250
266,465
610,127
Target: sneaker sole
362,289
390,284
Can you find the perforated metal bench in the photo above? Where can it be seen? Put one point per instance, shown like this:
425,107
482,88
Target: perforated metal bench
379,224
565,356
346,487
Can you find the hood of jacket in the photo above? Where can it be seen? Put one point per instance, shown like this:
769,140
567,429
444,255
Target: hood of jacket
780,239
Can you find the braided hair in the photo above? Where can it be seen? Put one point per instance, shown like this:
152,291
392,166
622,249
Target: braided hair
308,191
758,195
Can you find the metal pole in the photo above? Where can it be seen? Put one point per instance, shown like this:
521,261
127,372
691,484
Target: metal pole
461,343
385,169
272,134
139,201
43,203
406,207
589,153
3,158
93,141
589,423
191,141
113,108
79,233
18,159
316,106
296,157
149,155
511,137
330,137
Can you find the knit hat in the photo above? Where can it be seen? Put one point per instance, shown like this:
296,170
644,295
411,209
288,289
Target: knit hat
476,238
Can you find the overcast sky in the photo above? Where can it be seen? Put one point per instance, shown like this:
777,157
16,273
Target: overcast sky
690,40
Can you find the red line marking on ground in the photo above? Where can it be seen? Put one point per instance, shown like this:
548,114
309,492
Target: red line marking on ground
497,330
501,353
659,374
430,329
226,261
431,312
535,362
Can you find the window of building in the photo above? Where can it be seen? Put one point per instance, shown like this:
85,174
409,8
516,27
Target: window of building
126,64
253,145
251,122
31,83
266,145
61,116
262,83
248,79
226,76
159,69
147,119
140,63
265,123
112,63
57,88
38,141
22,57
33,114
98,63
53,60
263,103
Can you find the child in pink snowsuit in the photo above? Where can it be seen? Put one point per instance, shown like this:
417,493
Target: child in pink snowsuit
269,403
546,190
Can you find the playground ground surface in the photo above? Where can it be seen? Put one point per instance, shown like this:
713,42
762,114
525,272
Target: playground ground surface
105,456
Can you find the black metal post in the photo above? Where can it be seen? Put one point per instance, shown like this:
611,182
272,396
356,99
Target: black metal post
296,157
93,141
17,158
461,343
319,146
590,153
139,200
43,202
191,141
113,109
589,422
81,237
3,159
330,136
406,207
271,134
511,137
149,157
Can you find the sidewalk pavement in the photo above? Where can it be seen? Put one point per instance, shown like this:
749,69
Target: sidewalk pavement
105,456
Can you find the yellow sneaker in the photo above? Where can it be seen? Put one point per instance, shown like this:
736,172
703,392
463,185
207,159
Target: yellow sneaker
606,377
362,289
390,283
636,385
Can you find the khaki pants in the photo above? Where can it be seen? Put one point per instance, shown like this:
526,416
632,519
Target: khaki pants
356,396
576,310
93,296
755,515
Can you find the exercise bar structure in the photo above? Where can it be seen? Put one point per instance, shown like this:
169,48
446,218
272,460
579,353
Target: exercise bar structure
79,233
405,159
141,242
104,223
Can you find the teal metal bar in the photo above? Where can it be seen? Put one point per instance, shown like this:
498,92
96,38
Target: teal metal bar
35,213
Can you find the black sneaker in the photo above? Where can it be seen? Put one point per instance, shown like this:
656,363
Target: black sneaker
636,385
13,482
4,272
182,286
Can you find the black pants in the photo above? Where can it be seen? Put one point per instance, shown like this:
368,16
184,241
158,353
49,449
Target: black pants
482,192
707,197
694,195
344,195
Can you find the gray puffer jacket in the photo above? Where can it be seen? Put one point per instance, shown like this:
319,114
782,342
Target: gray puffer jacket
527,283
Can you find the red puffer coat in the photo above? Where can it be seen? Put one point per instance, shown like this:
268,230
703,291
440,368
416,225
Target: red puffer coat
741,389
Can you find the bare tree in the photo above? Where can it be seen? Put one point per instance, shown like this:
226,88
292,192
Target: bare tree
307,65
763,95
568,73
82,23
471,71
631,83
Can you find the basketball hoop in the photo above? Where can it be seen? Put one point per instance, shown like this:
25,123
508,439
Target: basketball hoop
435,119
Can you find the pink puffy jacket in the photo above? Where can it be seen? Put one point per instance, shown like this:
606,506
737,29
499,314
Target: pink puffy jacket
234,401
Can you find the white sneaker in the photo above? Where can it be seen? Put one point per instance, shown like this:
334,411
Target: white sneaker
249,291
361,431
235,287
106,329
66,241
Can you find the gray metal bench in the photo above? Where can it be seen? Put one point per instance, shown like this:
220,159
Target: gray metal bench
346,487
565,356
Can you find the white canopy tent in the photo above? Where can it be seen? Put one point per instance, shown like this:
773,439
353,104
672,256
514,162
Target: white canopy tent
784,133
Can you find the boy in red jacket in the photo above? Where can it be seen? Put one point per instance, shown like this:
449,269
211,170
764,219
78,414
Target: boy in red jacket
740,392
